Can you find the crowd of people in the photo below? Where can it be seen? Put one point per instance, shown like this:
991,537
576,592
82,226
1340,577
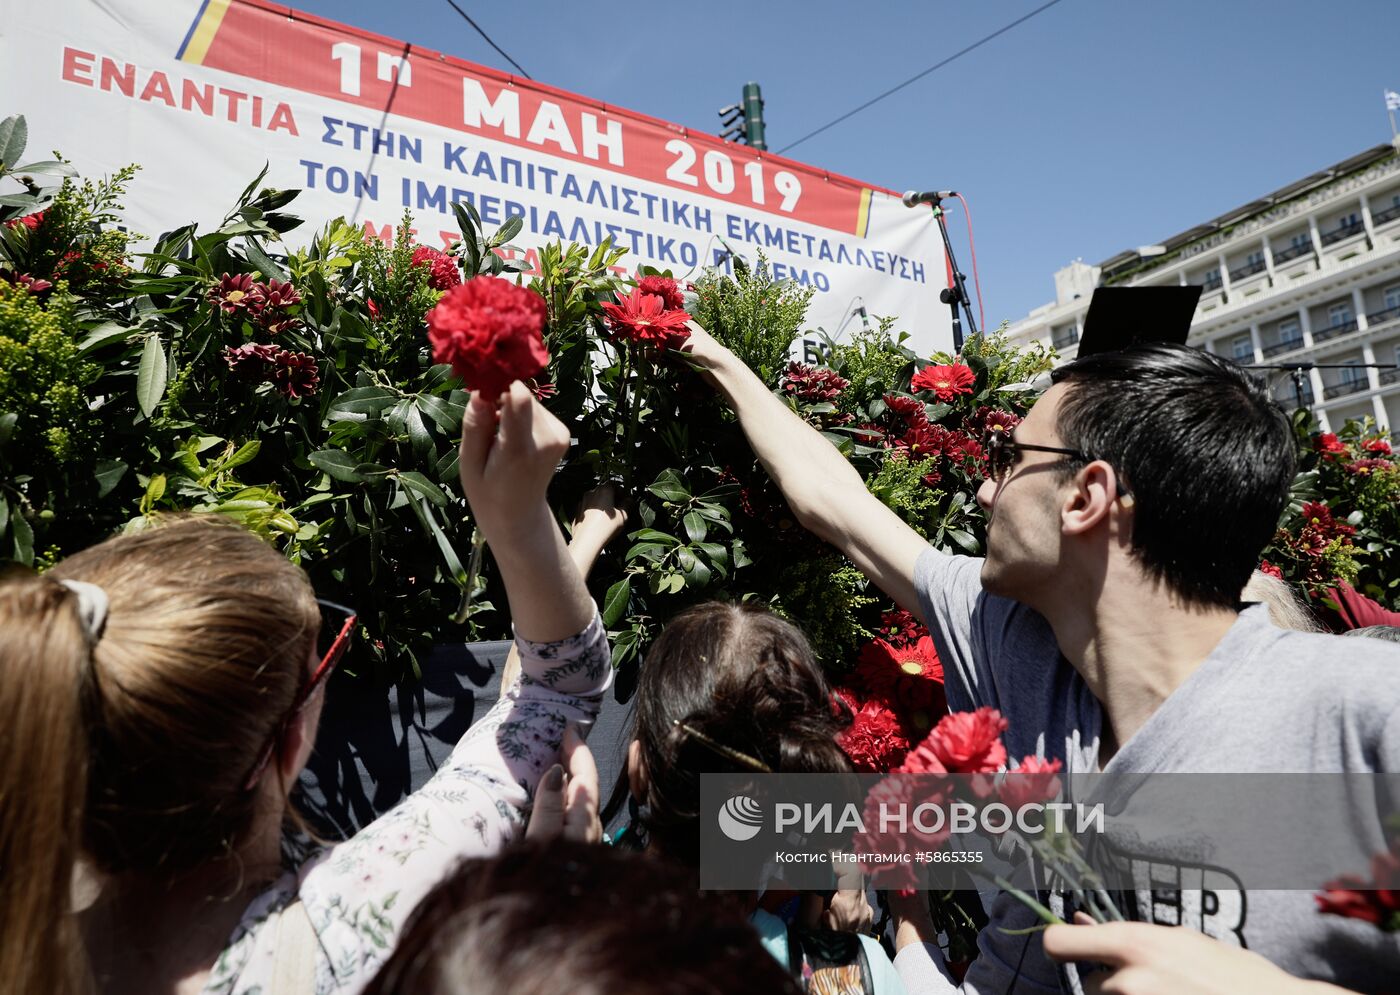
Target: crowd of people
161,692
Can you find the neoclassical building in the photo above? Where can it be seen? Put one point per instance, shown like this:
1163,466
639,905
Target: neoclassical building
1309,274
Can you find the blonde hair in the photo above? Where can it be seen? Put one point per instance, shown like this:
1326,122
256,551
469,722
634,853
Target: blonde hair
1286,609
134,751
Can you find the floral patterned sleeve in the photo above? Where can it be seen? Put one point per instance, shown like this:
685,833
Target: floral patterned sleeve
359,893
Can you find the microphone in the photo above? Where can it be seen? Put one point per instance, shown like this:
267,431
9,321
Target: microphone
914,197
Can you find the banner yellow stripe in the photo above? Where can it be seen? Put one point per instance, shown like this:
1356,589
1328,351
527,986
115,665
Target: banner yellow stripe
203,35
863,218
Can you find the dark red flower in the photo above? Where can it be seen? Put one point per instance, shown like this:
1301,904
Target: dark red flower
894,795
962,448
899,627
29,283
252,360
541,391
372,308
231,294
664,287
868,434
1318,515
920,440
1376,445
875,740
1329,445
1265,567
269,305
296,374
1367,466
965,743
997,422
442,268
946,382
813,384
908,678
642,318
1032,782
1376,901
491,331
909,410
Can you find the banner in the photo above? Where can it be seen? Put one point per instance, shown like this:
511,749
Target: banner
201,94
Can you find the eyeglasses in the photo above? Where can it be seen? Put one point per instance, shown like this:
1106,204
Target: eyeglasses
333,639
1001,451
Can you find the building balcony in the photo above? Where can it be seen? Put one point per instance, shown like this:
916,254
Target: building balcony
1279,348
1342,231
1388,215
1248,270
1293,252
1212,283
1344,388
1380,317
1390,376
1334,331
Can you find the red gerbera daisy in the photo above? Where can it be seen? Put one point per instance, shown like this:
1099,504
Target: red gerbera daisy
665,288
946,382
642,318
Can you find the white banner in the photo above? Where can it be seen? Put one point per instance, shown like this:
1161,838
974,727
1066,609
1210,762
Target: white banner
201,94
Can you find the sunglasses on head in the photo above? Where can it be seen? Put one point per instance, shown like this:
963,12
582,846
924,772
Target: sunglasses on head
332,640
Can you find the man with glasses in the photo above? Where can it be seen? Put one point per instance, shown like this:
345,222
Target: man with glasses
1126,513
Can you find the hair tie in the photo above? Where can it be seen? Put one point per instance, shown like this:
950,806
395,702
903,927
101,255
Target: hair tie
92,608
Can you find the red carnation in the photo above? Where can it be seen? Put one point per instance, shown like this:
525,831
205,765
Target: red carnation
1376,445
1329,445
664,287
1032,782
442,268
946,382
965,743
874,741
30,221
642,318
1376,901
893,795
491,331
813,384
296,374
1265,567
252,360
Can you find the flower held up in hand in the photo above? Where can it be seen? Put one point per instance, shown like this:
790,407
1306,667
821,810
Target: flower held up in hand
491,331
966,743
642,318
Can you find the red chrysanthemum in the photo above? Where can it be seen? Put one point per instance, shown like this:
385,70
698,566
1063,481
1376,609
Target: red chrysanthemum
1265,567
491,331
1377,445
1367,466
1318,515
664,287
813,384
909,410
965,743
997,422
642,318
296,374
964,449
270,305
232,292
946,382
868,434
1031,783
1329,445
921,440
900,626
442,268
874,741
252,360
1376,901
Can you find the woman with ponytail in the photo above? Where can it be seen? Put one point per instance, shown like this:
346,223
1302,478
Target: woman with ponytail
159,694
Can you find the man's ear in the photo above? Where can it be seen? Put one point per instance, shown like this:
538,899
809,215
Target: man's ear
636,770
295,747
1091,500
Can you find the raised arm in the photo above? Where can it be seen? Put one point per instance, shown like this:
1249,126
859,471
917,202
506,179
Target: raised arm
825,492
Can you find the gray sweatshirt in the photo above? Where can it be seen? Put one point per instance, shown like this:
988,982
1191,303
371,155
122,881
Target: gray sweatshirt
1264,700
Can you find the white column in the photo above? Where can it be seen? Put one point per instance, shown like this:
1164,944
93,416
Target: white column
1378,407
1306,322
1316,239
1315,378
1268,259
1224,276
1373,375
1358,304
1255,339
1366,221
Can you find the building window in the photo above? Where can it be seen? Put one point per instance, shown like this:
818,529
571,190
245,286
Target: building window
1304,241
1349,221
1064,337
1243,347
1290,331
1339,314
1392,298
1352,373
1255,259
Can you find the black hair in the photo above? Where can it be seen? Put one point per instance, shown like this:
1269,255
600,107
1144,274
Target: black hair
571,917
726,688
1205,451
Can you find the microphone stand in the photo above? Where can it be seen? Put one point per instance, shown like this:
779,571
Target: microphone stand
957,293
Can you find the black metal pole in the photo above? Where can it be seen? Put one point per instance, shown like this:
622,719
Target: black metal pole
957,293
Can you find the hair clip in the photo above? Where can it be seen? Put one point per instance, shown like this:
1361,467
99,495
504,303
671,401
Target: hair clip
725,751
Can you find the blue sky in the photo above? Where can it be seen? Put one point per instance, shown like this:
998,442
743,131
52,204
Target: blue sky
1096,126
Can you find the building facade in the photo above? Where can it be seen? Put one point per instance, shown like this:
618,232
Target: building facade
1307,278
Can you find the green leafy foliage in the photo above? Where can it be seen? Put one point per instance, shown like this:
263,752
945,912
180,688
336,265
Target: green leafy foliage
754,315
